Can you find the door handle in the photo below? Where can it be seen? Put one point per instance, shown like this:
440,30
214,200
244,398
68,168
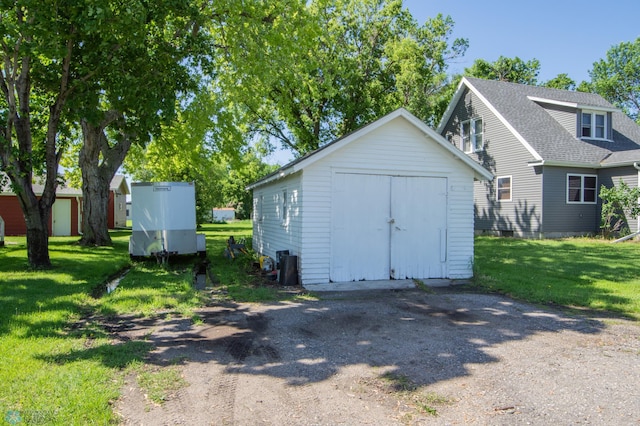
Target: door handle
391,220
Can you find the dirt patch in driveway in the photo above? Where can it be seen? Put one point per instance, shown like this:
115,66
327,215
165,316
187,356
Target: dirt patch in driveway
389,357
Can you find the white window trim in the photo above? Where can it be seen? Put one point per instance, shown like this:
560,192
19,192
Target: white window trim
259,207
582,176
607,125
473,145
510,177
285,212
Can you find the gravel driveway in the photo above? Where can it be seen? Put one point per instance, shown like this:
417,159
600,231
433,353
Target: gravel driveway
391,357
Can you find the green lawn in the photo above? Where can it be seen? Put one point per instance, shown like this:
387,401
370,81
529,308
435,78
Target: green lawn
59,366
580,272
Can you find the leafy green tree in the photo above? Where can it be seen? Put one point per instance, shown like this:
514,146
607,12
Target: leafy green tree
147,46
562,82
617,77
197,147
41,74
234,184
618,203
350,62
513,70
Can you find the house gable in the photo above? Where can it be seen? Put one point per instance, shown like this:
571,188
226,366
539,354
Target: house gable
547,122
534,138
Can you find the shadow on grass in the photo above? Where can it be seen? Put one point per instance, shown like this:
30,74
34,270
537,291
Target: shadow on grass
117,356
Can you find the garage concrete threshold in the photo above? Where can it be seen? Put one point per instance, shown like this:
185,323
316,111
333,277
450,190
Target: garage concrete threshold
382,285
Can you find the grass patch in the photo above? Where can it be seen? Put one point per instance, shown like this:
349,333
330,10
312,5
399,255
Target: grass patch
238,278
58,364
579,272
51,373
149,288
415,399
160,383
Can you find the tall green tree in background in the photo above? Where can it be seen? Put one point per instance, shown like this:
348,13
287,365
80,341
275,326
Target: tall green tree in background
514,70
562,82
617,78
141,50
349,62
201,146
233,186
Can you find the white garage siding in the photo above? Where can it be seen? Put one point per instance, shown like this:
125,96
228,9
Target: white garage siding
397,149
274,228
400,146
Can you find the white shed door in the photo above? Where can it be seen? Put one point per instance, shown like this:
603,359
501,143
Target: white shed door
387,227
360,234
419,229
61,218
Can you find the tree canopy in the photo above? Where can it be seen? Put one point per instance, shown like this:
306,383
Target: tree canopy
514,70
349,62
617,77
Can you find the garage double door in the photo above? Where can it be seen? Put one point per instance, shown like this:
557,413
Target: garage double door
388,227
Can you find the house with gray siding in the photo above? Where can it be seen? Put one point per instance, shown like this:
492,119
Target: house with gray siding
550,152
392,200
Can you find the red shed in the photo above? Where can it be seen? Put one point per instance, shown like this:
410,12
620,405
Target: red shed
66,213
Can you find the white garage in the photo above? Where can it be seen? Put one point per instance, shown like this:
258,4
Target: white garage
391,201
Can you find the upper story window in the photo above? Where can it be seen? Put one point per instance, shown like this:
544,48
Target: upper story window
581,188
594,125
472,135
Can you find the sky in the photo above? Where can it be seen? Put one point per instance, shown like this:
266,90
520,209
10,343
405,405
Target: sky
565,36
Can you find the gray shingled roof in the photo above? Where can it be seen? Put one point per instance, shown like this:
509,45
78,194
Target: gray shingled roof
547,137
64,190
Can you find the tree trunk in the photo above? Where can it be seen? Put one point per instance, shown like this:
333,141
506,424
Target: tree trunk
98,162
38,239
95,199
36,216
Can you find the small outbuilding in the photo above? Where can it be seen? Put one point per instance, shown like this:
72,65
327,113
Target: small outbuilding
223,214
117,208
66,212
392,200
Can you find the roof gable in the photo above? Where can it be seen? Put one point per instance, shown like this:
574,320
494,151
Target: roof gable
119,183
324,151
521,109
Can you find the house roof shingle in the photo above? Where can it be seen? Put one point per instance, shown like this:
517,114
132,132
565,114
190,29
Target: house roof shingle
117,183
519,106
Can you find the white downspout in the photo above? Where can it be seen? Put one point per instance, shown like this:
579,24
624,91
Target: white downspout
79,215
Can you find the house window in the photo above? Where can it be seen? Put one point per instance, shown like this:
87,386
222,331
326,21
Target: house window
581,188
258,209
472,135
594,125
504,188
284,205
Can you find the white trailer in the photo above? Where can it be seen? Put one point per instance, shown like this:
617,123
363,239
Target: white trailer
163,216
